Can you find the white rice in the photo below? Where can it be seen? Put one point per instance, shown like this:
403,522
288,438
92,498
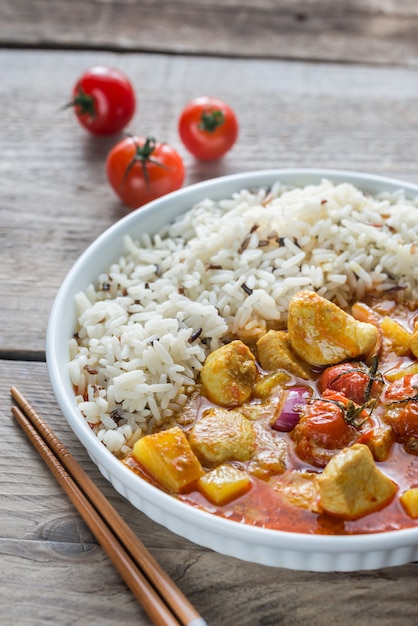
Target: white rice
218,269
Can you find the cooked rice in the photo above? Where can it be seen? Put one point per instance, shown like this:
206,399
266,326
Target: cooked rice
146,327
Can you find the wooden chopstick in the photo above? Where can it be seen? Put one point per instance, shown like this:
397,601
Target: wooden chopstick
159,596
157,611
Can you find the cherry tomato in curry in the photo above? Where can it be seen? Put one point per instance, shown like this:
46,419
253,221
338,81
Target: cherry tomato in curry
354,380
325,428
401,413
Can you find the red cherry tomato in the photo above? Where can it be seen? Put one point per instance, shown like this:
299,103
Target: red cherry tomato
141,170
103,100
353,380
323,429
401,399
208,127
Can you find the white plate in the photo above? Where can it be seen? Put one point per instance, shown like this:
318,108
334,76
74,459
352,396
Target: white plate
269,547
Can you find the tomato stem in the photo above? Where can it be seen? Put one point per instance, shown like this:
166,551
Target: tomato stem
211,120
83,102
351,411
143,155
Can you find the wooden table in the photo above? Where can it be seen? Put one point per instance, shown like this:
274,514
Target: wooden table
313,83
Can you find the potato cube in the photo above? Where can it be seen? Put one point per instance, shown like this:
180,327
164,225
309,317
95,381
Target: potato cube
223,484
414,340
264,387
168,458
379,441
398,336
409,501
352,486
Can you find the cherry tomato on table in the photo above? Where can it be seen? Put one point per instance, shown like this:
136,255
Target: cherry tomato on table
141,169
103,100
208,127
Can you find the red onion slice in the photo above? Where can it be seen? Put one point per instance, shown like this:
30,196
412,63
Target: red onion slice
288,411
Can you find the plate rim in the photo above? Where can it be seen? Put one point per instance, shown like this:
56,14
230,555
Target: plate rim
184,515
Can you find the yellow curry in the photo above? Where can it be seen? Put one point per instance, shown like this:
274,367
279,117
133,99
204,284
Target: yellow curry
310,428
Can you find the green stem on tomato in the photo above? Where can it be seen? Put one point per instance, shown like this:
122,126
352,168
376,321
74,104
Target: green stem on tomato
83,102
371,372
211,120
374,375
351,411
143,155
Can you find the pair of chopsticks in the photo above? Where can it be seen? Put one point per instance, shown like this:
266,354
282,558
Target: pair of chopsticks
160,598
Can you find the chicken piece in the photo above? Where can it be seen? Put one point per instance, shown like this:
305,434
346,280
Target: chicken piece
301,489
323,334
352,486
267,463
221,435
398,337
409,501
224,484
168,458
270,455
229,374
275,352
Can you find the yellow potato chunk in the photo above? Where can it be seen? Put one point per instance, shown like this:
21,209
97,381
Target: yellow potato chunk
397,335
352,486
221,435
229,374
380,441
168,458
224,484
414,340
264,387
323,334
409,501
275,352
398,373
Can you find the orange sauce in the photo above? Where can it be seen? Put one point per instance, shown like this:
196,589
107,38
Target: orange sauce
264,505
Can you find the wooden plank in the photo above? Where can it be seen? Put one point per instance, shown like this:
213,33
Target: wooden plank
358,31
57,573
55,199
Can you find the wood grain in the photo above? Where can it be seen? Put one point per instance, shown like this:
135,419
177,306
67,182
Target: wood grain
55,199
314,84
361,31
56,571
